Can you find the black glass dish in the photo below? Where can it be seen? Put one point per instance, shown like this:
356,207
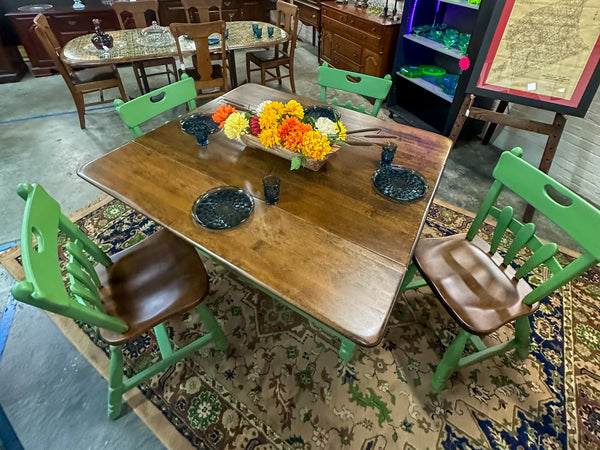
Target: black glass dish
399,183
223,207
322,111
200,126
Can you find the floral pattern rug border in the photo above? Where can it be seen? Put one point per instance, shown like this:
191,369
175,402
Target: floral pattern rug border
281,384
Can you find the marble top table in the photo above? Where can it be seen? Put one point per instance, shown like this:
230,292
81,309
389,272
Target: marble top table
129,46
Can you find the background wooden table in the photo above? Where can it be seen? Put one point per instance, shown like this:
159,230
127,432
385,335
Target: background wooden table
333,247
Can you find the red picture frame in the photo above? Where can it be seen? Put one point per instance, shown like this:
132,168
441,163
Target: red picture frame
576,104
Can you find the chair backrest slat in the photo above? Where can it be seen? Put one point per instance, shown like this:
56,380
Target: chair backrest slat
138,14
571,213
138,110
44,286
519,242
46,36
199,11
203,71
357,83
504,219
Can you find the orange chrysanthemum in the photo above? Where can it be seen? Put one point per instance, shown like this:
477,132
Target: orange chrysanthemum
222,113
293,108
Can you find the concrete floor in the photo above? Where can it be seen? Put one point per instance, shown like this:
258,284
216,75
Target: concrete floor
51,395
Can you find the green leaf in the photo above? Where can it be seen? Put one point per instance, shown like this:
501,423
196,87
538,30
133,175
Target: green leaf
395,436
296,163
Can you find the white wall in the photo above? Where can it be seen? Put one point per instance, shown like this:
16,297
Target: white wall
577,160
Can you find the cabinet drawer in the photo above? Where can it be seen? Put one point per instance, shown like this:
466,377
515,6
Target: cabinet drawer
335,15
341,62
308,14
349,49
82,22
365,25
363,39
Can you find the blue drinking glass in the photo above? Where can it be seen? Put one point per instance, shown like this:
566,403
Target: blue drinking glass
270,31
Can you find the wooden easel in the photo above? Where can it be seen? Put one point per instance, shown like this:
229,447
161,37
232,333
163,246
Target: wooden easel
553,131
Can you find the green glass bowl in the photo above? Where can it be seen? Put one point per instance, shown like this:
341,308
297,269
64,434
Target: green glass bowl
432,71
411,71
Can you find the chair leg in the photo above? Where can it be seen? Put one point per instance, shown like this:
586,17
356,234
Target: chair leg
80,105
115,381
291,71
522,331
248,69
449,362
263,76
278,72
213,327
137,76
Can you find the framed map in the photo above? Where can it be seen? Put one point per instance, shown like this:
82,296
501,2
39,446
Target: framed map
541,53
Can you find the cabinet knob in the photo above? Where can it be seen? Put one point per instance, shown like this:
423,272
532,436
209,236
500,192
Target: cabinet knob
314,16
72,22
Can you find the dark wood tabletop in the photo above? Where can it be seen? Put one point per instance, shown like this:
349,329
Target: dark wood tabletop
332,247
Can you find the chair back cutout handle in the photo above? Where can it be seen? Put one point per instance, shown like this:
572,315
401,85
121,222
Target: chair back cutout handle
558,197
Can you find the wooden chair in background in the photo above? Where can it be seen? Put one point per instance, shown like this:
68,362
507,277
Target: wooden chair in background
140,14
484,288
81,81
125,296
208,77
202,11
283,54
358,83
138,110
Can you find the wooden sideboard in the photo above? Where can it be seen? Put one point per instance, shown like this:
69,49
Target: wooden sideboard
68,23
309,13
171,11
354,40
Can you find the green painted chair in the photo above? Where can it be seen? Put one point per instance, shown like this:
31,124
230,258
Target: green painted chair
140,109
482,288
125,295
358,83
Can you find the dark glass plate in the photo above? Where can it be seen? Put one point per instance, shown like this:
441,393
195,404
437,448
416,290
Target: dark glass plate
199,124
322,111
400,183
223,207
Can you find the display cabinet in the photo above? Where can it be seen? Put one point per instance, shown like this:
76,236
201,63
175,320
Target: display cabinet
424,100
355,40
309,13
171,11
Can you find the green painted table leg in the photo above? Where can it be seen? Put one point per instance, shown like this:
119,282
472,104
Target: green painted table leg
115,382
347,348
212,325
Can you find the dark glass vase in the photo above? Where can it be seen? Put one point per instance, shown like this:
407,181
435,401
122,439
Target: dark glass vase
101,38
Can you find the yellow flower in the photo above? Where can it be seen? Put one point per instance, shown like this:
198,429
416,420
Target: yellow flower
293,108
235,125
269,137
341,131
315,145
271,115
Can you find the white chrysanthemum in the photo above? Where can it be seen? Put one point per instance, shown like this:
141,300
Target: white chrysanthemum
261,107
325,126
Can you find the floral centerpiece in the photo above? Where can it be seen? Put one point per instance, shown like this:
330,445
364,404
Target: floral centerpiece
283,129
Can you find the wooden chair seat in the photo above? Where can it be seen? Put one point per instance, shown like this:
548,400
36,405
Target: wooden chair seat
268,56
477,290
157,279
94,74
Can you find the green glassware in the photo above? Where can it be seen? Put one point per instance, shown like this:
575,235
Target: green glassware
449,39
463,42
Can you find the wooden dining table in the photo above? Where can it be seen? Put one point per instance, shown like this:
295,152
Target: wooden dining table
131,46
333,249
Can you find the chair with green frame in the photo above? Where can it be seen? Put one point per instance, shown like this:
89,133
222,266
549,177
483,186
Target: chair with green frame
140,109
125,295
483,288
357,83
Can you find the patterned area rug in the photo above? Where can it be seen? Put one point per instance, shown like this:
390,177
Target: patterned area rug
282,385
